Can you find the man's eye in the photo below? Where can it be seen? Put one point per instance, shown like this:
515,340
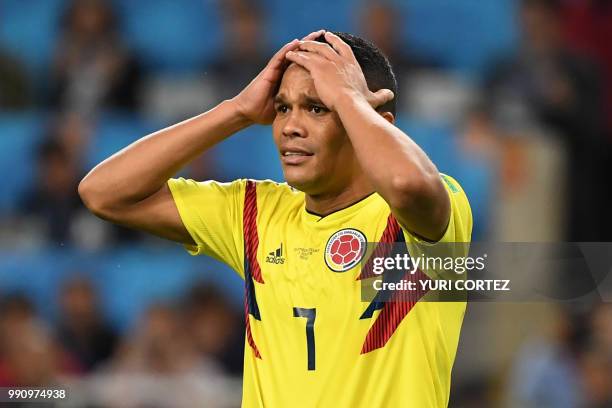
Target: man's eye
281,108
317,109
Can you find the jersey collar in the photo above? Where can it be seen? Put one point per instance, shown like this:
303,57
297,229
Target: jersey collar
345,212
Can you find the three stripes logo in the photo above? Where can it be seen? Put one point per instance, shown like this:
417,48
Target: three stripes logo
276,256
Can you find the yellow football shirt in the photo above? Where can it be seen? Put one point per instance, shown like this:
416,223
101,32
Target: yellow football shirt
310,339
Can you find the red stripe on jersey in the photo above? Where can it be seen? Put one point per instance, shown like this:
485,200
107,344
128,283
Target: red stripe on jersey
251,237
249,335
388,237
392,314
252,269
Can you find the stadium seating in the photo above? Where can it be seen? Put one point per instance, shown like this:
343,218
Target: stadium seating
474,31
184,35
169,35
249,154
114,131
313,15
29,28
128,279
19,136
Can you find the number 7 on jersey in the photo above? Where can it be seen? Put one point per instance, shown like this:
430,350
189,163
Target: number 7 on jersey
310,315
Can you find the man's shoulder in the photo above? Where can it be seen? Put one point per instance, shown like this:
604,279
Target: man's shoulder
276,198
271,187
263,189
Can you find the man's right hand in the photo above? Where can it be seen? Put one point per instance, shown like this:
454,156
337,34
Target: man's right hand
256,102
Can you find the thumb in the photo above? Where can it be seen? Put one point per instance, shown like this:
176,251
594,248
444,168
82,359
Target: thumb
381,97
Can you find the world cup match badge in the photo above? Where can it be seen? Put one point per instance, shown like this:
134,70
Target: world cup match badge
345,249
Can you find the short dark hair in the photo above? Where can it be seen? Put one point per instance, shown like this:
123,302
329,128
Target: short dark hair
374,64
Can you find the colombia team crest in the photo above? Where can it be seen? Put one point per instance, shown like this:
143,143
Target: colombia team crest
345,249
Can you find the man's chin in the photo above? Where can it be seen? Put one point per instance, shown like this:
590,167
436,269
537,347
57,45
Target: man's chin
299,179
300,185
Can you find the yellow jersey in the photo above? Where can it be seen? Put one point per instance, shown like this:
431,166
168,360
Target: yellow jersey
310,339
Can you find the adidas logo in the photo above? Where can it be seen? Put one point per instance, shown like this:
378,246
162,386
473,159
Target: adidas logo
276,256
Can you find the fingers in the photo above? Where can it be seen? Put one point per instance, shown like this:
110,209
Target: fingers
300,58
381,97
278,63
338,45
278,58
314,35
304,58
319,48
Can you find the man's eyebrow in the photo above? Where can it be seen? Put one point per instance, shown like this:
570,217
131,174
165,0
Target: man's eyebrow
311,100
305,99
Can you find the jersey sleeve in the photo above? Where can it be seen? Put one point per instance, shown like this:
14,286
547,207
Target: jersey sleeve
212,214
455,242
459,228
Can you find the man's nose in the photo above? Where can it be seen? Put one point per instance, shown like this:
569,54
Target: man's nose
293,126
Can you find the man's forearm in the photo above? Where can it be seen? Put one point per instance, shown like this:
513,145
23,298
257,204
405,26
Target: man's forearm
143,167
392,160
398,168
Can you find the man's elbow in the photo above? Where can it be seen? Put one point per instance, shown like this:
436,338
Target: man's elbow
94,199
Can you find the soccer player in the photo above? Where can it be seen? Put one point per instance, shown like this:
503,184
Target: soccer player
351,177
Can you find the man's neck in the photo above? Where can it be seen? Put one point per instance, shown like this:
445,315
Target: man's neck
327,203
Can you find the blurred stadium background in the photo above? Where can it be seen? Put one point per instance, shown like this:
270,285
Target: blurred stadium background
513,98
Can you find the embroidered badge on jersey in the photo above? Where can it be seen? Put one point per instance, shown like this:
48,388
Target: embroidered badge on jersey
345,249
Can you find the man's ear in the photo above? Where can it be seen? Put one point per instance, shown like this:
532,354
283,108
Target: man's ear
388,116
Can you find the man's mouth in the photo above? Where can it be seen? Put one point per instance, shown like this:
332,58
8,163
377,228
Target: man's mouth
294,156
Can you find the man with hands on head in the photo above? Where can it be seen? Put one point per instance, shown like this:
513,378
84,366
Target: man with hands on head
351,177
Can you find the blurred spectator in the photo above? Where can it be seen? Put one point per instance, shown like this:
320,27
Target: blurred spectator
54,200
74,133
382,23
588,28
52,208
28,354
544,84
82,329
596,373
158,345
159,366
545,372
472,393
601,326
15,311
93,68
596,360
15,86
243,53
216,328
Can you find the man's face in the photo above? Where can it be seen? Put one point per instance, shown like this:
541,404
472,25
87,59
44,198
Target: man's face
315,151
